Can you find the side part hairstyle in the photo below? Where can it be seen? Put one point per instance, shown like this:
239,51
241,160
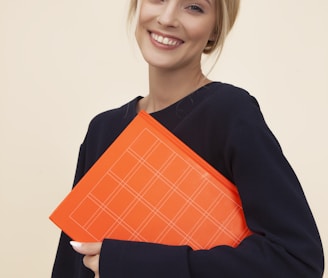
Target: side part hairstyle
226,14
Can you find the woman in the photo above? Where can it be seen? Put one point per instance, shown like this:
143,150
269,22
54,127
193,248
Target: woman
224,125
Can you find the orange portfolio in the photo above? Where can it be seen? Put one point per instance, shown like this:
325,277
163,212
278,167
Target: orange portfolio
149,186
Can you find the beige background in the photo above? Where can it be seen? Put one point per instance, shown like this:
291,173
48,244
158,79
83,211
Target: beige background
63,61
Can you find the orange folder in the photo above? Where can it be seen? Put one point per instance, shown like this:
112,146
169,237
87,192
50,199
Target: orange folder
149,186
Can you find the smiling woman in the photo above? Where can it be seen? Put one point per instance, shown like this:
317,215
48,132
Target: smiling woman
188,30
225,11
224,125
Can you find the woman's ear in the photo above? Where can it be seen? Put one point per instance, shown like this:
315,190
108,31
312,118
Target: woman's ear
213,37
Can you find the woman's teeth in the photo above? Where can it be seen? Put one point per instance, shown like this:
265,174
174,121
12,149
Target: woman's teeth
165,40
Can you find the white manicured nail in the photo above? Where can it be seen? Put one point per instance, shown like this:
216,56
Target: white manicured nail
75,244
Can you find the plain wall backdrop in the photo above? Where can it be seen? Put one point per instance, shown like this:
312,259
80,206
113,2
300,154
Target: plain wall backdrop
64,61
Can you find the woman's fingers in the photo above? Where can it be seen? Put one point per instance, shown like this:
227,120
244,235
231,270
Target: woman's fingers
86,248
91,253
92,262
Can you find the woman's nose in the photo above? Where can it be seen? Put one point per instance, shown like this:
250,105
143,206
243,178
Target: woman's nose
168,16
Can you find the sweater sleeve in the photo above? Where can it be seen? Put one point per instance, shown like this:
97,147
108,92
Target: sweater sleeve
68,263
285,242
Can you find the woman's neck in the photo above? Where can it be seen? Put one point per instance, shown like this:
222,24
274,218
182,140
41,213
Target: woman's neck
168,87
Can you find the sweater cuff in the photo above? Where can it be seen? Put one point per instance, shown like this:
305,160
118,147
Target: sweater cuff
138,259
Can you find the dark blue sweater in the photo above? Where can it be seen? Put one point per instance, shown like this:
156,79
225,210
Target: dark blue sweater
225,126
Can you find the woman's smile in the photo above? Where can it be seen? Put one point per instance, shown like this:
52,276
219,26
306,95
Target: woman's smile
165,41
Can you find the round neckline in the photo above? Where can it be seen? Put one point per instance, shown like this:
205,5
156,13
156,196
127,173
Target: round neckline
188,98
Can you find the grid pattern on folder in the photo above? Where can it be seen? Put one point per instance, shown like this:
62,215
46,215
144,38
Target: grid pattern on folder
152,192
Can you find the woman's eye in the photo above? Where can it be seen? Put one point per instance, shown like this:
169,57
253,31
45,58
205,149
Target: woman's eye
195,8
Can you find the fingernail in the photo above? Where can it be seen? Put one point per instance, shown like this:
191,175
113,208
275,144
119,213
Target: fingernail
75,244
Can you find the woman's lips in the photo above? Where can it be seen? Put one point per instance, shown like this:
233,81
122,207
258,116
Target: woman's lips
165,40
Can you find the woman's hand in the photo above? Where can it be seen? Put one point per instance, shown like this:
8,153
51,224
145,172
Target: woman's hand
91,252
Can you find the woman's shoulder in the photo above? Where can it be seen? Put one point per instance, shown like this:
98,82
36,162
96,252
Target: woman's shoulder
107,125
229,92
230,97
115,115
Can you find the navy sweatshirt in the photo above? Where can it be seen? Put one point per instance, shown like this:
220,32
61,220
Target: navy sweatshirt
225,126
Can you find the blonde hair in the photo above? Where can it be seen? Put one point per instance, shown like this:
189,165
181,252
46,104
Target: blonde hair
226,14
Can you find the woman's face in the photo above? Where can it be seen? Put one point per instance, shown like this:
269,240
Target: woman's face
172,34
